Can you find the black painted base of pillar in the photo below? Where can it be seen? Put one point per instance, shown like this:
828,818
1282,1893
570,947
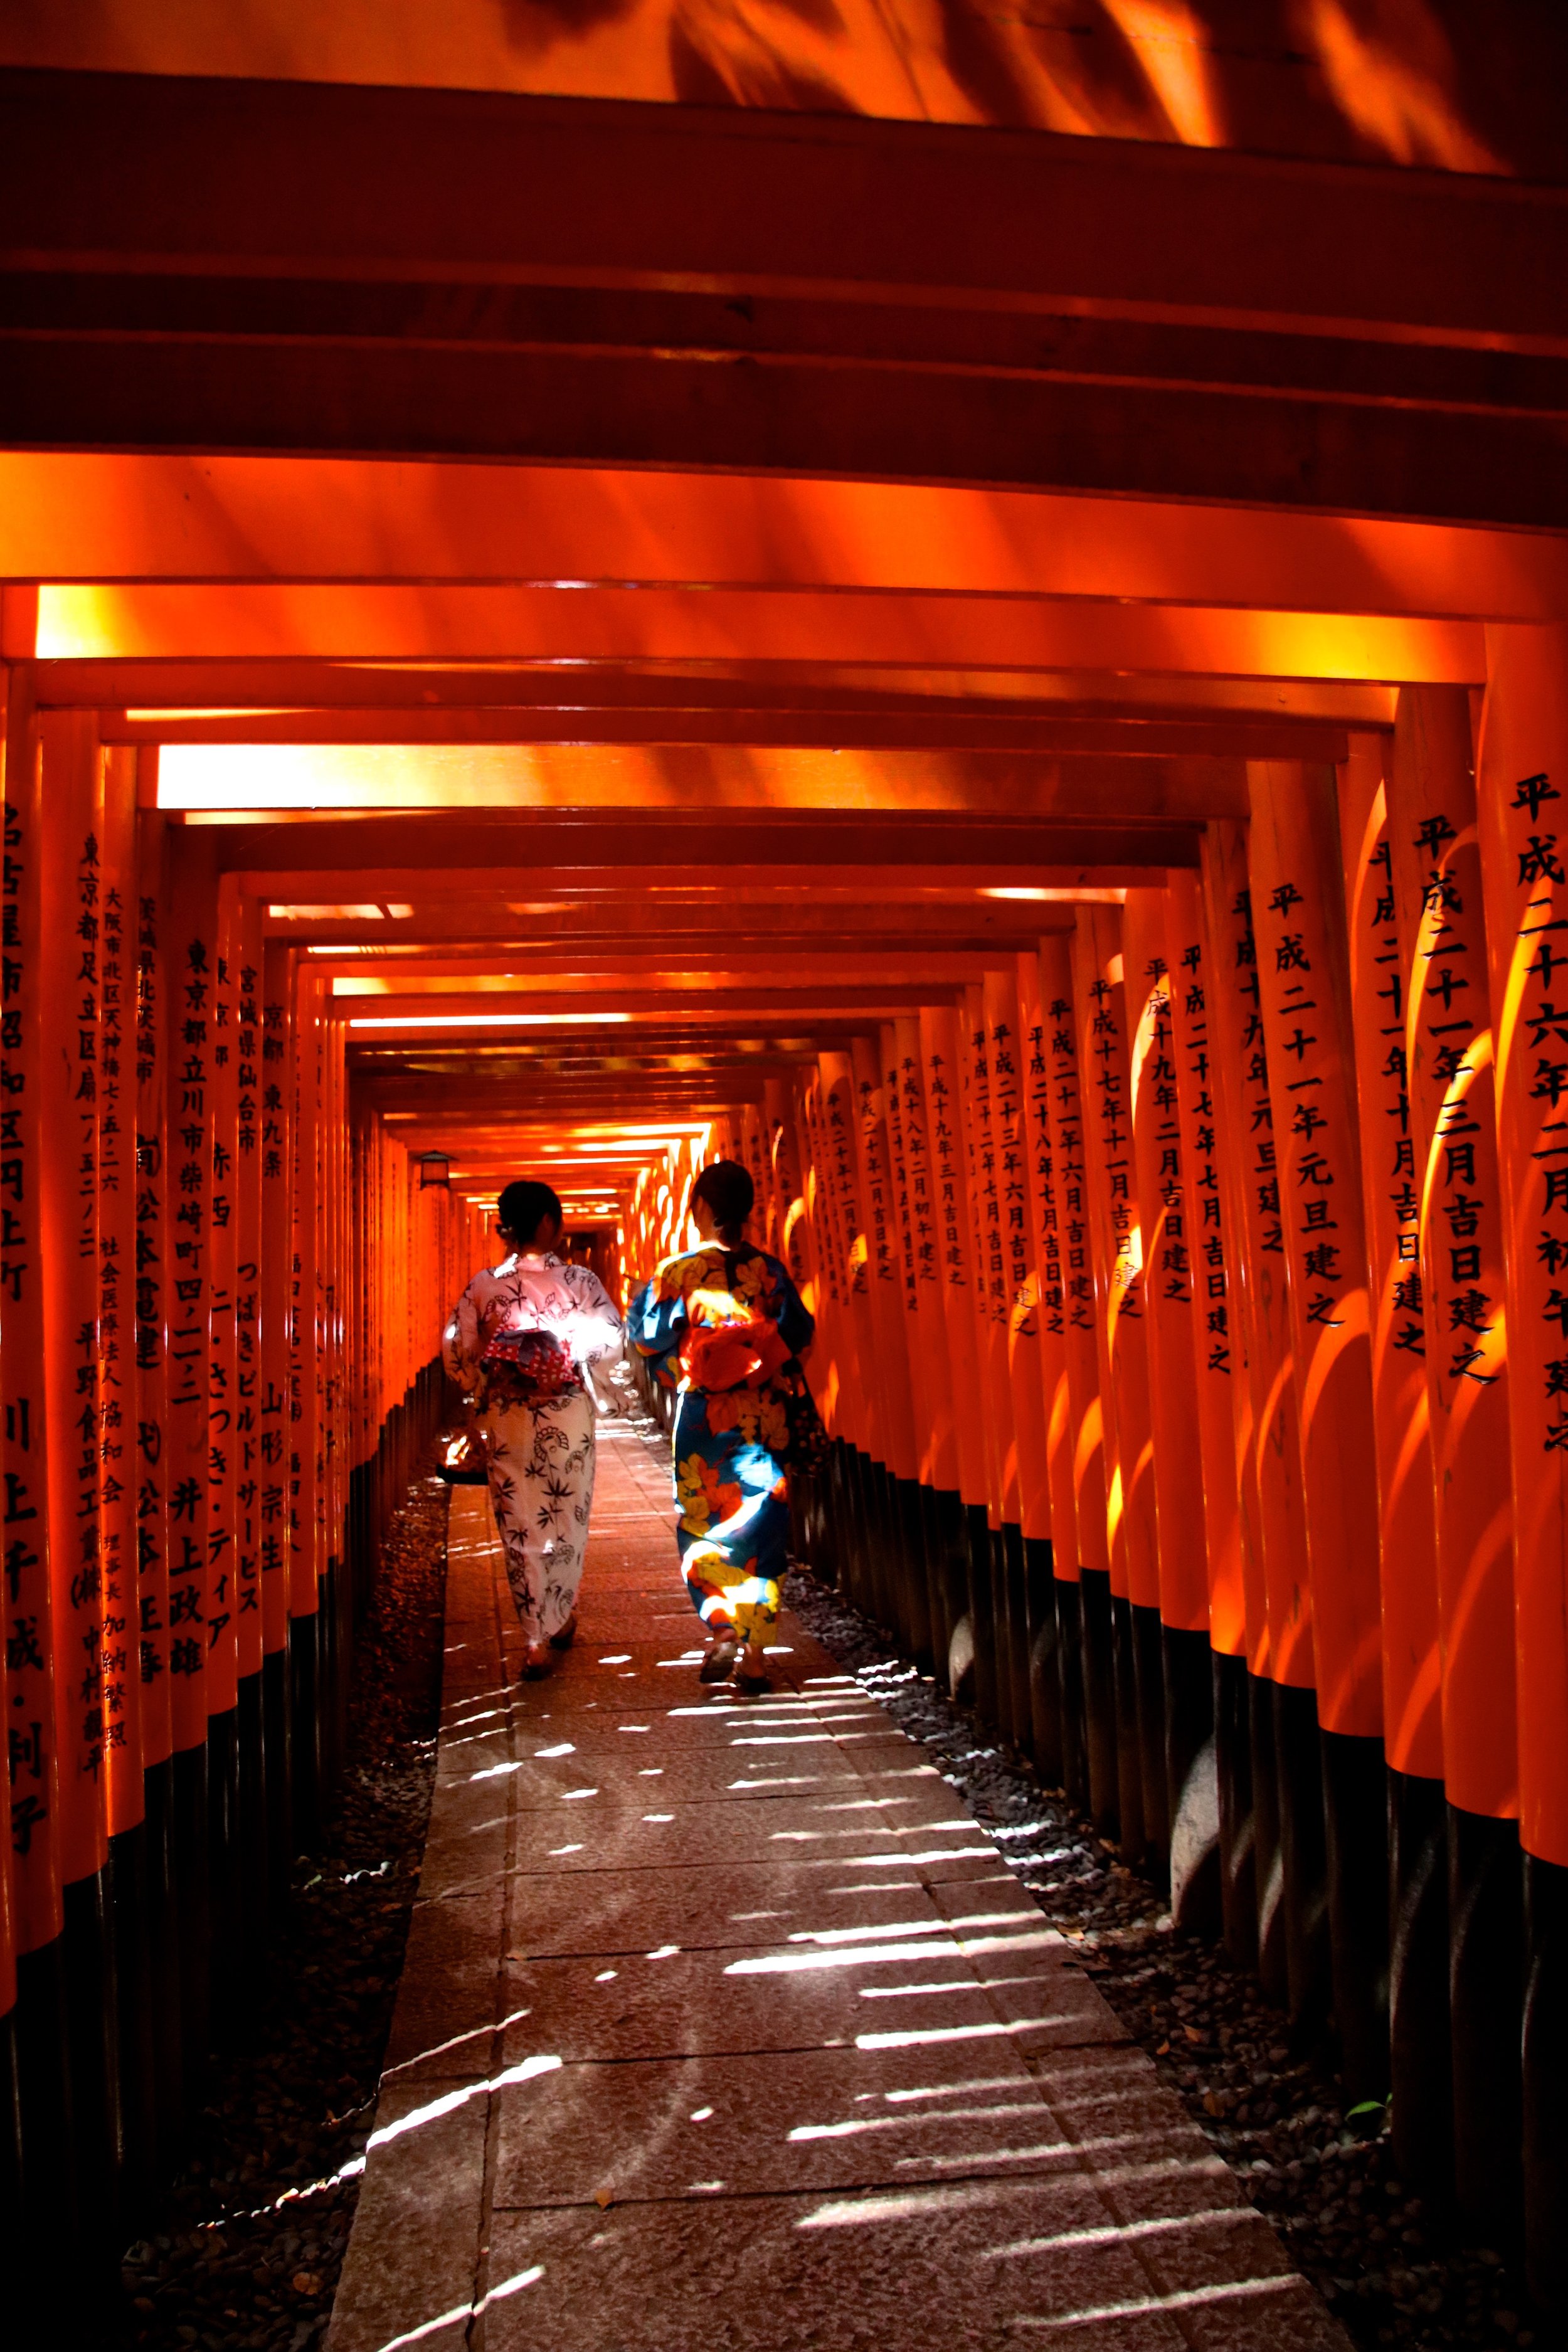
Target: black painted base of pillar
1045,1676
1100,1698
51,2190
86,1950
225,1917
1545,2044
1421,2082
275,1741
912,1502
1269,1870
998,1717
1355,1827
980,1613
169,2113
1237,1828
303,1732
1128,1748
1149,1687
1486,1993
1192,1784
949,1564
1069,1672
1303,1857
255,1883
189,1769
15,2254
1016,1657
131,1899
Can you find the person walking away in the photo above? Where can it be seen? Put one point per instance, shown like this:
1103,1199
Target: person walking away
725,1327
520,1342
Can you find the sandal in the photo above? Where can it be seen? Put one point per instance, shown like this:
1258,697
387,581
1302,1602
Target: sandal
752,1679
566,1635
537,1661
720,1663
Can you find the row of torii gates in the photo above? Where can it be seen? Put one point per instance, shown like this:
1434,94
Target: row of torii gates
1110,883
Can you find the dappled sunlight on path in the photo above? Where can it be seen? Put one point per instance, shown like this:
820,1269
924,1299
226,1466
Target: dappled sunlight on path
723,2022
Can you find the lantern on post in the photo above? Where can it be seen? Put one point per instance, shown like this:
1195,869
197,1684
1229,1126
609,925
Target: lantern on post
433,1170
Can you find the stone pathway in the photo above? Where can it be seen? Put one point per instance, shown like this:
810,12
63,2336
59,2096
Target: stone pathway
724,2025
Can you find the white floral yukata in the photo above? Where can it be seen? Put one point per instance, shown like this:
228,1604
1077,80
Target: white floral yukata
539,1424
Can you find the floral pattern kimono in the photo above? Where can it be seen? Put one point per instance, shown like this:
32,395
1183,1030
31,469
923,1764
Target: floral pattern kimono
724,1328
519,1341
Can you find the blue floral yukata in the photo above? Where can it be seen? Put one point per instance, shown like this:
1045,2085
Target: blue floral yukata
723,1328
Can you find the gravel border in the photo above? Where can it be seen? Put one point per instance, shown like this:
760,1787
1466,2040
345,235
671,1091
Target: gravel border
1390,2273
243,2252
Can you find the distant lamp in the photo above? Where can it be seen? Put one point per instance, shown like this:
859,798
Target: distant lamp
434,1170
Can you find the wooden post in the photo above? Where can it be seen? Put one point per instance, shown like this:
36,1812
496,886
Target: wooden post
1522,800
1304,972
1120,1289
1165,1212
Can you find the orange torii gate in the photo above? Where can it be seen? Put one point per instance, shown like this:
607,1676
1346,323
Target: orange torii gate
1085,835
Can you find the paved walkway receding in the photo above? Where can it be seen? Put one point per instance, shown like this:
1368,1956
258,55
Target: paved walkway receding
722,2026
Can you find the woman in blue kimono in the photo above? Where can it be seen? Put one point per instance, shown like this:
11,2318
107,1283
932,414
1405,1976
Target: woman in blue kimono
724,1327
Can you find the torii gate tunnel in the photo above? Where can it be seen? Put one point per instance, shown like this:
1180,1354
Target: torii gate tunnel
983,631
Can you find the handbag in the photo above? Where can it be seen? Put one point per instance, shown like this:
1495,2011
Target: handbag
467,1460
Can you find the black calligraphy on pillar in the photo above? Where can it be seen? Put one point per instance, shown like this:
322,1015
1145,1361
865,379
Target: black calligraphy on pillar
1108,1049
985,1195
881,1236
1038,1084
246,1434
1256,1102
1410,1336
1209,1240
116,1377
31,1729
1007,1103
151,1524
1314,1206
83,1541
1175,1266
944,1154
190,1150
1068,1125
904,1188
1543,1030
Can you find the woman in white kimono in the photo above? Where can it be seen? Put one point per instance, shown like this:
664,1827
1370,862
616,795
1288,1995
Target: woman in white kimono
521,1341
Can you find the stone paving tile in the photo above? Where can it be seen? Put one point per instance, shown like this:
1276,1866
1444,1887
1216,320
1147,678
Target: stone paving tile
873,2272
449,1999
415,2245
767,2123
838,2084
635,1910
825,1829
767,1997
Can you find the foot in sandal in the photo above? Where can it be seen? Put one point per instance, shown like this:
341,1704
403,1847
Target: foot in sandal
565,1634
538,1660
751,1670
720,1663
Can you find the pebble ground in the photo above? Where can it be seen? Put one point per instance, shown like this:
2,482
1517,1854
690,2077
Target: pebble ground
244,2252
1391,2272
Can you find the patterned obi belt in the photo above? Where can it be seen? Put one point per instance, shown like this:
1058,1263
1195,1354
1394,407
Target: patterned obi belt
716,1357
528,1367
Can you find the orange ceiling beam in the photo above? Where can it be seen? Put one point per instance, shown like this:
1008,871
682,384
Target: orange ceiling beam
443,621
74,518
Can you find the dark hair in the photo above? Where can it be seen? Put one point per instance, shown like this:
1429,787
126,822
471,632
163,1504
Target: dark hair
523,1207
729,1192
